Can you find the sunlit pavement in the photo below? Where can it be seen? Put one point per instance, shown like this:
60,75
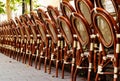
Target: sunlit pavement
12,70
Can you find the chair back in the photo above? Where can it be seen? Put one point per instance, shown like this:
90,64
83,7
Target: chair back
84,7
42,31
52,30
81,27
66,29
42,15
53,13
14,28
26,28
19,25
66,9
105,26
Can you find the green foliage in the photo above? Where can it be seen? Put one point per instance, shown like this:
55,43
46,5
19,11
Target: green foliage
27,1
2,7
36,5
14,4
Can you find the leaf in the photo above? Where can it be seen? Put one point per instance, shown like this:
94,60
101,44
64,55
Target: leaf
2,6
27,1
2,10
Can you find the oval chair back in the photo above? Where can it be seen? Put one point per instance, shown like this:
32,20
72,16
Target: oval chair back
108,34
42,15
53,13
84,7
66,9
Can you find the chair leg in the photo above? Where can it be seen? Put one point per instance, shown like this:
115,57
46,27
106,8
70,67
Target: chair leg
9,53
29,58
39,63
36,59
75,74
13,54
95,62
97,76
89,74
57,63
23,58
72,71
23,55
50,67
115,79
63,70
45,65
18,55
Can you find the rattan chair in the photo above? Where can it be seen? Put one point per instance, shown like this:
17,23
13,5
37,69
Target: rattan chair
57,39
27,32
15,33
7,38
70,44
11,44
108,35
85,46
4,34
56,47
43,16
39,46
84,7
33,37
1,38
21,38
45,44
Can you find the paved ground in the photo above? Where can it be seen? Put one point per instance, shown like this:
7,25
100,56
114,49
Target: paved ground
12,70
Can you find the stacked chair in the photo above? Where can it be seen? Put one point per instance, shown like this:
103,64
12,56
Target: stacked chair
27,32
20,39
45,37
110,42
84,36
69,36
57,39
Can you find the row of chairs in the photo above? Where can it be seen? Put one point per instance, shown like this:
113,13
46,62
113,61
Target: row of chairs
86,37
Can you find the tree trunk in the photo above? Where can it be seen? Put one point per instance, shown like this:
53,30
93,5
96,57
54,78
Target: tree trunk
31,5
8,9
24,7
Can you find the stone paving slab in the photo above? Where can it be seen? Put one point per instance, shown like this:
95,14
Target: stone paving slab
12,70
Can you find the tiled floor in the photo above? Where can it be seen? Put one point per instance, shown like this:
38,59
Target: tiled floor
12,70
